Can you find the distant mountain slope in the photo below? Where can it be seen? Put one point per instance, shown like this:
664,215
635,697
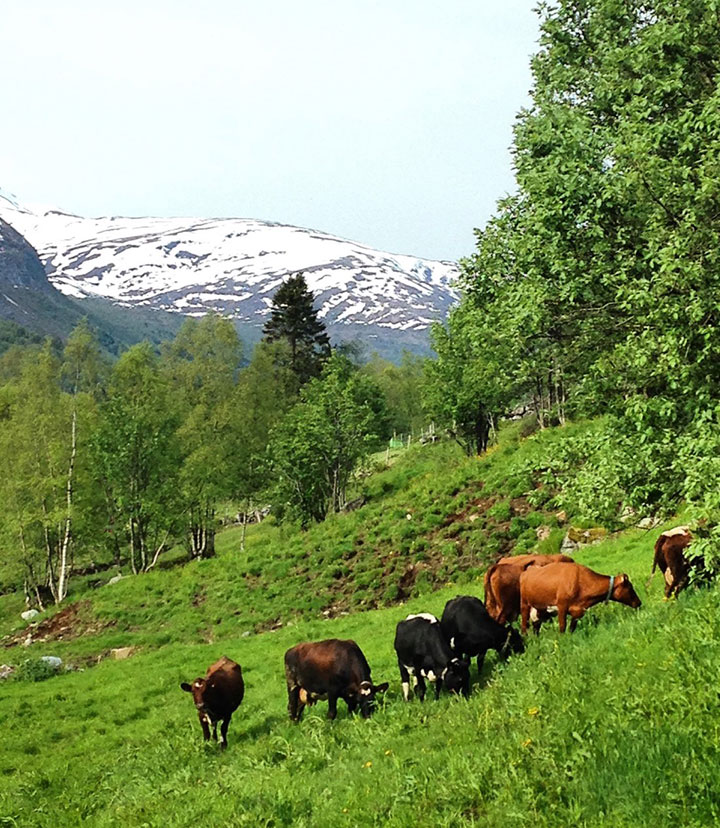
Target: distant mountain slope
191,266
29,300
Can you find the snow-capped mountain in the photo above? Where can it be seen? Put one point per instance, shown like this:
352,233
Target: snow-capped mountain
193,265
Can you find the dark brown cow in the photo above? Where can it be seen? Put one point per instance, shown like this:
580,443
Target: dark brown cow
332,670
671,560
502,584
217,696
569,588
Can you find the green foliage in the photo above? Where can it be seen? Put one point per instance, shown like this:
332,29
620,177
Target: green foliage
34,669
322,439
293,319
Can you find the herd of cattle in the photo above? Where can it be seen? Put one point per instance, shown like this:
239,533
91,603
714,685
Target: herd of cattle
531,587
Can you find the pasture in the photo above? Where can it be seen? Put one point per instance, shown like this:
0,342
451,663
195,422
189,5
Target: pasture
614,725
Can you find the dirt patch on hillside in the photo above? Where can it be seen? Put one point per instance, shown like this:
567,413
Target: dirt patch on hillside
70,622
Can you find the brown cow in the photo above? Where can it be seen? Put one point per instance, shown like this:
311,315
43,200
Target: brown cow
502,584
569,588
217,696
670,558
331,670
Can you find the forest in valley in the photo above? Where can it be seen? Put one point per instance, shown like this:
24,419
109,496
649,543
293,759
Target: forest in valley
592,293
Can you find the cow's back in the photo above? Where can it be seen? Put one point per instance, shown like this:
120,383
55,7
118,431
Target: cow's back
543,584
315,664
225,675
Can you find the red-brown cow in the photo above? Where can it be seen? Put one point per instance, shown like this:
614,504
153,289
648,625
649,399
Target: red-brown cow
332,670
671,560
569,588
502,584
217,696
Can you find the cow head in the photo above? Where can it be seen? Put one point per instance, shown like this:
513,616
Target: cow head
624,593
366,696
202,692
513,643
456,676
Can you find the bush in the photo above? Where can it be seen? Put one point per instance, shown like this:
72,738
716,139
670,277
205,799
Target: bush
35,669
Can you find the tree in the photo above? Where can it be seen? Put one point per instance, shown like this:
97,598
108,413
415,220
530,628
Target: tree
137,457
316,447
202,365
43,440
294,319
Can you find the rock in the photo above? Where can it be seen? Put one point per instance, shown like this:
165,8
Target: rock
121,653
628,514
561,517
648,523
542,533
52,661
6,670
583,537
246,634
28,615
28,641
115,579
568,546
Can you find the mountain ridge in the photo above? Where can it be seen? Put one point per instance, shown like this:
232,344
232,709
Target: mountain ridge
233,266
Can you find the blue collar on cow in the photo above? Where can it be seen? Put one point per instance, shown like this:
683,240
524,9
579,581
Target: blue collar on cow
610,588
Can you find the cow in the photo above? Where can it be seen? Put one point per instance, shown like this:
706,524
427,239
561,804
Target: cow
423,652
569,588
502,584
329,670
670,558
217,697
471,631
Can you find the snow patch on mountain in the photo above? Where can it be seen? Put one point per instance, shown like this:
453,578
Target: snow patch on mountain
233,266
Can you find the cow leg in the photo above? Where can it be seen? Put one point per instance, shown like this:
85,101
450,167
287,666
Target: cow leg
420,686
438,686
295,706
332,706
351,704
524,617
480,661
223,732
405,679
562,617
215,731
204,725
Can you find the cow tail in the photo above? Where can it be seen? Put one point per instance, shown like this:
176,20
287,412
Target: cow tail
656,558
490,599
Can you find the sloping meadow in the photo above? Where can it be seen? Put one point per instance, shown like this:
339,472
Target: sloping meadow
614,725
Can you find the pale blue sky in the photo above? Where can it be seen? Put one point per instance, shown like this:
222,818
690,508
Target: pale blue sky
387,122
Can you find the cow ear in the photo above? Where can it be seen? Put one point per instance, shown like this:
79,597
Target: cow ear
381,688
186,687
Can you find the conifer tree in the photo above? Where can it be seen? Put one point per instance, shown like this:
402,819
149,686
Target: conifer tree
294,319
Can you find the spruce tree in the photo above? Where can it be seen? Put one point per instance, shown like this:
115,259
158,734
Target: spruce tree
293,318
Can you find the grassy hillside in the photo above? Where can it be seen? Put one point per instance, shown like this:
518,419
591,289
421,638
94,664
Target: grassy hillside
614,725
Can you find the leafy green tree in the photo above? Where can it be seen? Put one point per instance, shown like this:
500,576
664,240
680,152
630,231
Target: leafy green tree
322,439
293,318
46,490
202,365
137,456
401,386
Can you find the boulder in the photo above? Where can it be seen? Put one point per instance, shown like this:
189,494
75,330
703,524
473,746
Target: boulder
542,533
561,517
52,661
6,670
583,537
648,523
115,579
121,653
28,615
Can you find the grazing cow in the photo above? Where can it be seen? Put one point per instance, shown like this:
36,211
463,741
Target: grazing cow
217,696
332,670
424,653
569,588
502,584
671,560
471,631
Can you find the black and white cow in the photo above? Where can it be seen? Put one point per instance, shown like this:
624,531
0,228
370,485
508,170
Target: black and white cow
471,631
424,653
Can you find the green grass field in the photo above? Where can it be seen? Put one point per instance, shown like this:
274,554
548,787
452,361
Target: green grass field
614,725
